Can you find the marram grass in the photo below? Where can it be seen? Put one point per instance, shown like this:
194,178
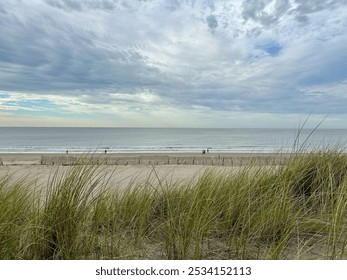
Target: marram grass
294,211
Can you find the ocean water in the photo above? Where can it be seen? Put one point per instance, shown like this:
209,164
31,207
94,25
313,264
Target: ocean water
165,140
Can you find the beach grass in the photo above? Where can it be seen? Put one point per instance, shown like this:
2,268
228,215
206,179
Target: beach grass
293,211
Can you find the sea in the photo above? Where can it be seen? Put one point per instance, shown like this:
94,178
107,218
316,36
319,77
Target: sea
167,140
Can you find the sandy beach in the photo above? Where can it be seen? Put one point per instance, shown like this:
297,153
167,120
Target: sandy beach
151,170
226,159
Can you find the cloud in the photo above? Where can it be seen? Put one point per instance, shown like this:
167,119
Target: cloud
139,59
271,12
82,5
212,22
47,54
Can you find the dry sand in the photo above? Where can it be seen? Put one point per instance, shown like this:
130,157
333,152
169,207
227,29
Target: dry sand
19,159
121,176
29,166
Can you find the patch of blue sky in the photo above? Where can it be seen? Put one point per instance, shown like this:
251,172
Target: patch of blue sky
25,112
43,108
43,112
37,107
4,95
271,48
31,104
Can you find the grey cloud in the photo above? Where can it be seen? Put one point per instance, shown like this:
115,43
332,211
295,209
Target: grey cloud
212,22
19,46
282,7
305,8
211,5
312,6
174,5
86,69
80,5
65,4
255,9
252,8
46,55
122,5
2,10
107,5
302,18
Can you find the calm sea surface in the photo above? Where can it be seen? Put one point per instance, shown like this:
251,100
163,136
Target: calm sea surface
132,140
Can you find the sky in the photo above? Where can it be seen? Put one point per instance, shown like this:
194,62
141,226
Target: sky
173,63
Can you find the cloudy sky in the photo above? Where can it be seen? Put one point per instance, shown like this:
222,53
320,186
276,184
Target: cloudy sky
173,63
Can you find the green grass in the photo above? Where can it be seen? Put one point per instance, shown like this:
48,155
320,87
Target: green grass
294,211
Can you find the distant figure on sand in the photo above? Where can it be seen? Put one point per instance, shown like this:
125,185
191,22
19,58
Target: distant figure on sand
105,151
67,151
203,151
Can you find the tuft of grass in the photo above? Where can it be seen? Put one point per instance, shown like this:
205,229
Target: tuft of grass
15,217
64,214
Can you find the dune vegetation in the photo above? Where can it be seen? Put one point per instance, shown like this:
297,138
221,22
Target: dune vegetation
294,211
